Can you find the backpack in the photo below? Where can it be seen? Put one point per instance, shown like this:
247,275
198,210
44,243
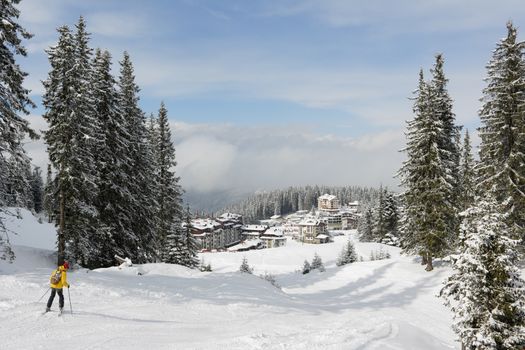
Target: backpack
56,276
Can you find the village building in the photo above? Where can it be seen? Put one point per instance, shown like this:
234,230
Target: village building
273,237
313,230
328,203
219,233
253,231
353,206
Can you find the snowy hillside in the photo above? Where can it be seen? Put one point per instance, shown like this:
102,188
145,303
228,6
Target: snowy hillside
387,304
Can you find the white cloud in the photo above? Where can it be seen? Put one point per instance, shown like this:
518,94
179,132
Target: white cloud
223,157
205,162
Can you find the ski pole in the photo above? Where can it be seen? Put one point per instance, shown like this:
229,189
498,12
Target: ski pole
44,294
69,296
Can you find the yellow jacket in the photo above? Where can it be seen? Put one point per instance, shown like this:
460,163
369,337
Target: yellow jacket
63,281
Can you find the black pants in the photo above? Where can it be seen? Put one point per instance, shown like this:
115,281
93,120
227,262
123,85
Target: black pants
52,296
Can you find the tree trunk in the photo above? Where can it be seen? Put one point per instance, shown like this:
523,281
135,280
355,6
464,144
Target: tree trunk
423,258
61,239
429,267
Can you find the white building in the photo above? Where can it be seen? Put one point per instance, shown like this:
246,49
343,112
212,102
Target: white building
313,230
328,202
273,237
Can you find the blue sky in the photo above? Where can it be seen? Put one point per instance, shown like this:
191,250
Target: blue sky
283,88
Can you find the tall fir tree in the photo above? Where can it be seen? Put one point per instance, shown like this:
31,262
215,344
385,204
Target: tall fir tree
486,292
174,250
466,175
391,220
191,245
71,139
379,227
449,145
49,204
15,101
169,191
502,132
59,100
141,181
428,174
37,190
115,169
365,226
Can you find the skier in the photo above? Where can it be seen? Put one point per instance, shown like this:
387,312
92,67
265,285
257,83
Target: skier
58,280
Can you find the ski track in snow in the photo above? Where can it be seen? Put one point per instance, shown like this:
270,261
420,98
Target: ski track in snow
371,305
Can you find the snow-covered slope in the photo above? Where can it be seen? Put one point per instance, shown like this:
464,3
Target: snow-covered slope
387,304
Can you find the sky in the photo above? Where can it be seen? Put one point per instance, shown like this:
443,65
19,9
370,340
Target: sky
268,94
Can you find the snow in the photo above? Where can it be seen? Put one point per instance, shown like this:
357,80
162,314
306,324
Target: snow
384,305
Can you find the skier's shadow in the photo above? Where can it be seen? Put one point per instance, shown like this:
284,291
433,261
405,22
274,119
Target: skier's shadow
120,318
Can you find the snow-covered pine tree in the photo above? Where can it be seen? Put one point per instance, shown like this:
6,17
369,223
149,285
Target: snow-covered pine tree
449,142
73,138
502,132
317,263
190,243
485,292
391,219
306,267
348,254
16,101
70,136
174,249
169,191
115,169
86,139
466,175
427,175
37,190
379,226
49,204
245,268
142,180
365,226
18,183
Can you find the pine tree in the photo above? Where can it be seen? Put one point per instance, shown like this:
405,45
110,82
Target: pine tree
15,101
169,191
141,180
379,227
115,169
18,184
502,132
348,254
365,226
466,175
37,190
391,220
190,243
428,174
49,204
486,292
306,267
317,263
245,268
174,250
72,139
